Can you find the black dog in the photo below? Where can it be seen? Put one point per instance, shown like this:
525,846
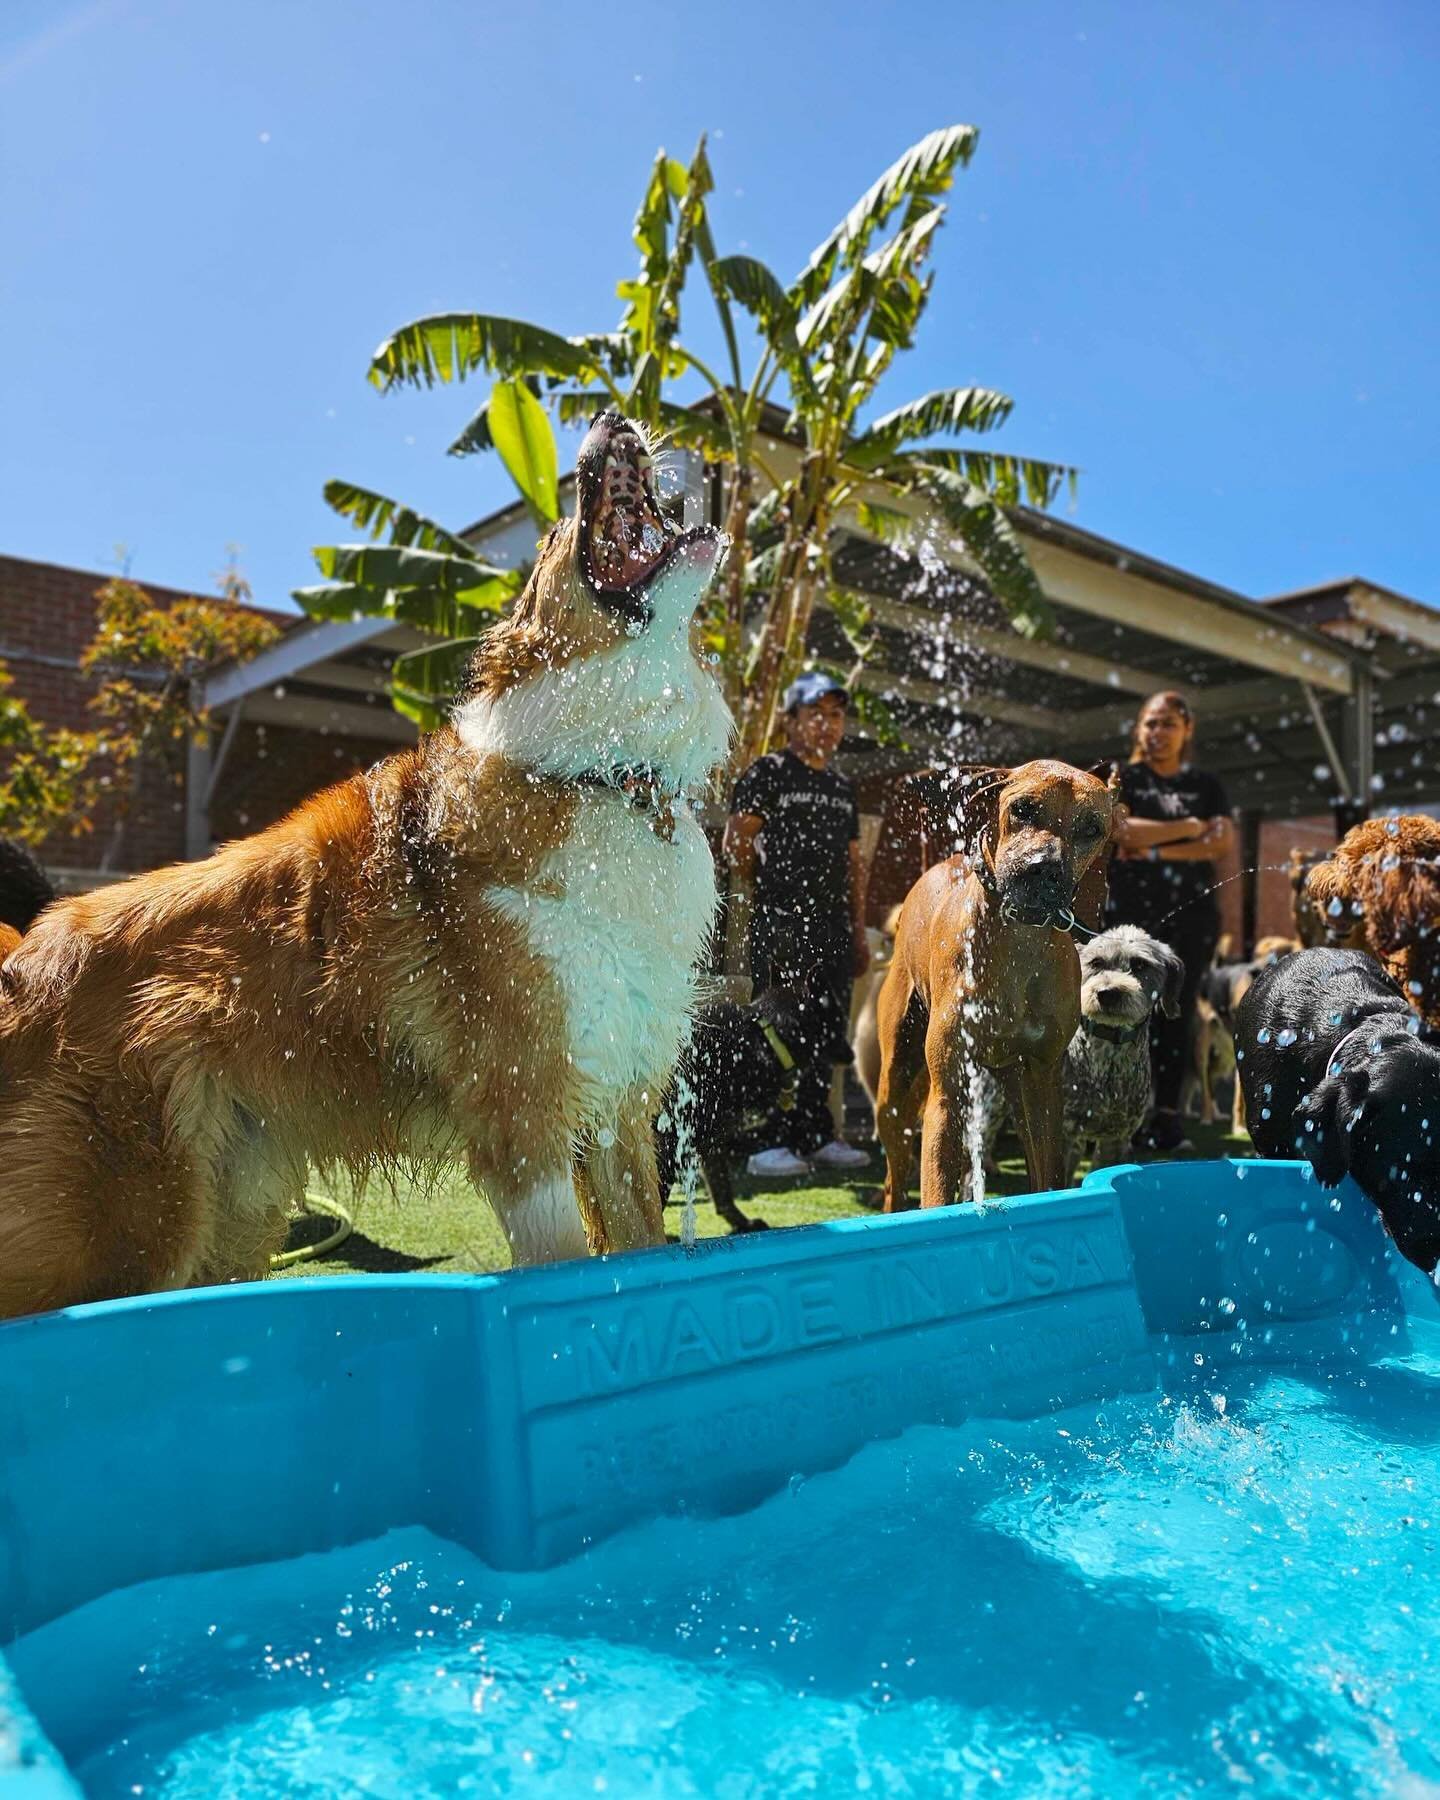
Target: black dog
742,1063
1339,1071
25,888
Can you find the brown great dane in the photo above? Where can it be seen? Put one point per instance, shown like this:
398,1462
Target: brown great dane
986,973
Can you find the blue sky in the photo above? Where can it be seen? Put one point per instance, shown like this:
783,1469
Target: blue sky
1199,245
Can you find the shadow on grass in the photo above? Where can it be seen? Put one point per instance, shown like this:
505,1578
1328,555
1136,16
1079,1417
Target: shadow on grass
356,1251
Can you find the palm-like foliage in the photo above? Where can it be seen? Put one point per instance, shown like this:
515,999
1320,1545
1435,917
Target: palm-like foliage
826,341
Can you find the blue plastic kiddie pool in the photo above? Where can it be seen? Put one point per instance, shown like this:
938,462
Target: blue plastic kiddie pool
1131,1489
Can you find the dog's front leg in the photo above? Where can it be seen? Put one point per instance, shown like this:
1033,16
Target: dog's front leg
944,1145
716,1170
944,1150
902,1021
1037,1102
1208,1111
536,1200
616,1182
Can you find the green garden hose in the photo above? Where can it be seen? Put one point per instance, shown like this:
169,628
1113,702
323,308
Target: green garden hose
332,1209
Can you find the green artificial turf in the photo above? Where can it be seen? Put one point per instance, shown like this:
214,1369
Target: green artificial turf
443,1226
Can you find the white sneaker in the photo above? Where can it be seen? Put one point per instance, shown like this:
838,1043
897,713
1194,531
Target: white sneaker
839,1155
777,1162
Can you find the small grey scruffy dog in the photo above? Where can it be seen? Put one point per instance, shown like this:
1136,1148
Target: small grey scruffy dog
1124,974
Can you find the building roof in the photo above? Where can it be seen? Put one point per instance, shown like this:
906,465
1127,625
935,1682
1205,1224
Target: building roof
958,680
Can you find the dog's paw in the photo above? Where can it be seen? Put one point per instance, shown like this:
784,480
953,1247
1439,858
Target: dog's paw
743,1225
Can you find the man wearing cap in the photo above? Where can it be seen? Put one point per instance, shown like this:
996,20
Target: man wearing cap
794,838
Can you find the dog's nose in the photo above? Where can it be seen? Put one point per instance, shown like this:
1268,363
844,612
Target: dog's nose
1042,875
1108,996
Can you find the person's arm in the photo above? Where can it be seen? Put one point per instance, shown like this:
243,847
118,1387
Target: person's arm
1144,834
1216,841
741,831
860,944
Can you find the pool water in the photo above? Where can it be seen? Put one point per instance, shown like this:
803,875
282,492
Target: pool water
1229,1587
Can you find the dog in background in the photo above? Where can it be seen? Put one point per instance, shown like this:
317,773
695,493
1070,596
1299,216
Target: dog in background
864,1024
481,947
1311,925
1340,1072
1380,891
1212,1046
25,892
986,973
1212,1060
739,1065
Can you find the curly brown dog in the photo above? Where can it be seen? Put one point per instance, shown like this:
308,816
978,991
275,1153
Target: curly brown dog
986,974
1380,891
482,947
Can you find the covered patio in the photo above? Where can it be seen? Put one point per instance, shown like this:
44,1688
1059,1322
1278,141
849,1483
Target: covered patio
1312,704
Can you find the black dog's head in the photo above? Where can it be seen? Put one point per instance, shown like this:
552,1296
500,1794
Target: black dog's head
1376,1116
809,1020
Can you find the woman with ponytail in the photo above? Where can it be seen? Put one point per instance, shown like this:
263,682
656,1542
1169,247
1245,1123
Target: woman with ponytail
1163,879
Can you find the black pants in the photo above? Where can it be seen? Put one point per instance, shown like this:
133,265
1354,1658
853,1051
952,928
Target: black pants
784,954
1192,934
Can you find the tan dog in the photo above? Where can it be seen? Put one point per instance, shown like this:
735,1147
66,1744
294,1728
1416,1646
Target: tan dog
986,974
1212,1059
1212,1043
482,947
864,1020
1379,891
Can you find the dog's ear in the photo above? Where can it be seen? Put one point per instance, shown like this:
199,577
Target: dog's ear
973,802
1324,1122
1172,980
1093,888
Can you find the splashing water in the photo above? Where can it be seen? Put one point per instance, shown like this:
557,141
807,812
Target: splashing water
1220,1586
977,1082
686,1162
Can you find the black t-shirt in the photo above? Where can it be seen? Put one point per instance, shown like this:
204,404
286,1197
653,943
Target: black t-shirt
803,851
1143,892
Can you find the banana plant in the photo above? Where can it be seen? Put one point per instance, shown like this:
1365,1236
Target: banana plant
823,344
832,335
424,576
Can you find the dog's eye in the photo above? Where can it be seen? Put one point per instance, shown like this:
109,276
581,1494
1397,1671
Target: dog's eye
1024,812
1088,826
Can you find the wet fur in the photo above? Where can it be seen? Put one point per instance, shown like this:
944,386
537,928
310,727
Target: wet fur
971,983
1380,891
383,979
1357,1091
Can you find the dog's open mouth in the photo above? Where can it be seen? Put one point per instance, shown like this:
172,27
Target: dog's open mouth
624,537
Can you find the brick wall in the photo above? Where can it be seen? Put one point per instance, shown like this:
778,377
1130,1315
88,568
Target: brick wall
1274,913
47,618
272,768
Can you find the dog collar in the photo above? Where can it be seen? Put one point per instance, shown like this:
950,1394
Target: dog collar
1113,1034
782,1054
642,787
640,783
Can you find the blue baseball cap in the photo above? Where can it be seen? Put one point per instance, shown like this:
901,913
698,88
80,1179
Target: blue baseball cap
806,689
